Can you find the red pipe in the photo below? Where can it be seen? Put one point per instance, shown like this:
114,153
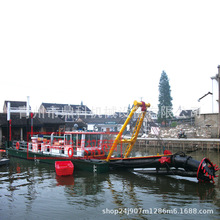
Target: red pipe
32,124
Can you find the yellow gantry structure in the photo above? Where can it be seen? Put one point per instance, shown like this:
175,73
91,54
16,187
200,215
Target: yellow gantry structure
137,128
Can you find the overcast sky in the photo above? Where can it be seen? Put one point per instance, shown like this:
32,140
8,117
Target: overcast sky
109,53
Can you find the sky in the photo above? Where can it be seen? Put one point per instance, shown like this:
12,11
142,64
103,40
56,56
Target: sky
107,54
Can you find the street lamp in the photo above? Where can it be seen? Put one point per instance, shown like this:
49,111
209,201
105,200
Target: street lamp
213,78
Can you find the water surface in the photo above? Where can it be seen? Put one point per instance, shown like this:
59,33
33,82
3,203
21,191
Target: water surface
31,190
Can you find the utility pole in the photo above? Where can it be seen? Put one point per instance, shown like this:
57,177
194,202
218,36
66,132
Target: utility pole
217,78
28,116
9,124
219,100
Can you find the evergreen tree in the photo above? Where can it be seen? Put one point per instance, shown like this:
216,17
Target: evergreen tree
165,100
129,109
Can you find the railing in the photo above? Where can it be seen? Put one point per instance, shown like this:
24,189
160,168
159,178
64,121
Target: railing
22,144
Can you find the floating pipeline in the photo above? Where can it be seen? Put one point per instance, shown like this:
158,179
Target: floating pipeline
175,164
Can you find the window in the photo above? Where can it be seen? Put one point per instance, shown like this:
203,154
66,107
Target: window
67,138
77,139
92,140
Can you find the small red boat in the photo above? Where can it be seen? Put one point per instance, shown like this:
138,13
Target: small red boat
64,168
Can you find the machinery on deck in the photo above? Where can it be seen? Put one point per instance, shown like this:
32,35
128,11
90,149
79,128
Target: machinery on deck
166,164
136,130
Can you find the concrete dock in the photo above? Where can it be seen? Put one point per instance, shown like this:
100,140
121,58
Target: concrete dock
190,144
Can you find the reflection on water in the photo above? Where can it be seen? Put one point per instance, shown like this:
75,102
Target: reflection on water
30,190
65,180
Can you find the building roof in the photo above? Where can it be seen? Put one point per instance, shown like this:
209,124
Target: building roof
102,119
65,107
186,113
46,119
16,103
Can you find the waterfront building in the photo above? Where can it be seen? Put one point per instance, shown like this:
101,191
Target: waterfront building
68,112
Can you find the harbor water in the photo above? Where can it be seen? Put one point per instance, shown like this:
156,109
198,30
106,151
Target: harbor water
31,190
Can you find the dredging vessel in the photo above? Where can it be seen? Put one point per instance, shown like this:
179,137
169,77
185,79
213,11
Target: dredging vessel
90,151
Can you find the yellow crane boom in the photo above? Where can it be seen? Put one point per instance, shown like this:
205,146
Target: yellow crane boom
137,128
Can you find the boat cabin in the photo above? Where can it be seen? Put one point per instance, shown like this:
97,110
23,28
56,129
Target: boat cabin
70,144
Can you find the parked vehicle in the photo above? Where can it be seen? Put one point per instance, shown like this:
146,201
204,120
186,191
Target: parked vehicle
181,134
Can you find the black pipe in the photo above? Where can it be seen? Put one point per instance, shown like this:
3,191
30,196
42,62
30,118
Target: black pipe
185,162
205,171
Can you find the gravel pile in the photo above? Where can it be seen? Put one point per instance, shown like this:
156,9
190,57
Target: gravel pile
190,131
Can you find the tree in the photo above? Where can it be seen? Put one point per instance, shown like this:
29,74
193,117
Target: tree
165,100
